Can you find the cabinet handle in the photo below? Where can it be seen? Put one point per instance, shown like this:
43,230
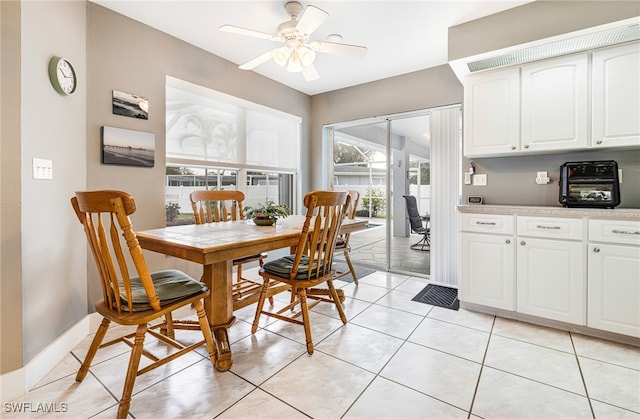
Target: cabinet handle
526,146
599,142
543,227
624,232
484,223
513,147
596,250
522,243
508,241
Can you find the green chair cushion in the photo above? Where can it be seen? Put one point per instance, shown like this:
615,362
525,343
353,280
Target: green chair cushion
170,285
282,267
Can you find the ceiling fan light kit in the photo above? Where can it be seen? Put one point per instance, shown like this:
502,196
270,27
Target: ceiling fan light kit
296,53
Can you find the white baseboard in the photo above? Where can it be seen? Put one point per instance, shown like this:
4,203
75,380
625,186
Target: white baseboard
16,383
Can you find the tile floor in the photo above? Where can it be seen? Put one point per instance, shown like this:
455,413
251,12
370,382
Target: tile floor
394,359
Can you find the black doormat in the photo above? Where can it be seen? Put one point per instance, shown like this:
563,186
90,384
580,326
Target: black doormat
440,296
361,271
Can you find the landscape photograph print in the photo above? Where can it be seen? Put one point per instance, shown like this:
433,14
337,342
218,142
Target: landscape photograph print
128,147
128,104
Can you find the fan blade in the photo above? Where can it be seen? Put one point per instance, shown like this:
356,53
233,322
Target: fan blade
256,61
248,32
311,19
310,73
347,50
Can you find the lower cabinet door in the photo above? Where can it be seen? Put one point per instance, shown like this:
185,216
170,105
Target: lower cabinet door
551,279
487,270
614,289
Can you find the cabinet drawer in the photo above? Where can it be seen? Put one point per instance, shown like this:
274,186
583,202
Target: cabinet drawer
487,223
549,227
612,231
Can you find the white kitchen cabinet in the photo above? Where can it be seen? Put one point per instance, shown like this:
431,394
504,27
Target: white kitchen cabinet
551,279
615,100
614,276
555,104
487,271
492,113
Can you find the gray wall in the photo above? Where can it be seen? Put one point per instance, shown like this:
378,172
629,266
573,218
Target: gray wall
125,55
534,21
430,88
511,179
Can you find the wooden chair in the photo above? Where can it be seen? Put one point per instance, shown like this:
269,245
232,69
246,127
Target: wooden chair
138,300
311,265
220,206
343,240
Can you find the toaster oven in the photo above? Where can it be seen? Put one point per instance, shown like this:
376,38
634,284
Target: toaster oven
591,184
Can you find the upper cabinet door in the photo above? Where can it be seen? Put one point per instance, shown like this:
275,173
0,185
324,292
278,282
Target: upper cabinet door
492,113
555,104
616,96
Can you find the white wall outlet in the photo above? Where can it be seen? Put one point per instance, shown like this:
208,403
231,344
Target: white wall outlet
467,178
480,179
42,168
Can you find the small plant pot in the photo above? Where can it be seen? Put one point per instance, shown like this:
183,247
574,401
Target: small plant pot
264,221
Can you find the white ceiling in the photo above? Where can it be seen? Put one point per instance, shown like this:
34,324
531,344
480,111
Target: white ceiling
401,36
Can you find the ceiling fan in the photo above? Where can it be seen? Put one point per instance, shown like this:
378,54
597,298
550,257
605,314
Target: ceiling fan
297,53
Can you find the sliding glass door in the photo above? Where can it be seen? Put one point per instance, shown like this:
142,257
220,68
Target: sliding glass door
384,160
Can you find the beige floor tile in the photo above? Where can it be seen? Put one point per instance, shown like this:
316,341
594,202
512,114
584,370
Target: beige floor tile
68,366
439,375
359,346
260,405
401,300
388,320
321,327
319,385
457,340
195,392
386,399
364,292
502,395
64,398
607,351
548,366
612,384
462,317
351,307
412,286
538,335
258,357
606,411
383,279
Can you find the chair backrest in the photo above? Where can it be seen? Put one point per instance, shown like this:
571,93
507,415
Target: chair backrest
354,198
105,217
216,206
325,212
412,211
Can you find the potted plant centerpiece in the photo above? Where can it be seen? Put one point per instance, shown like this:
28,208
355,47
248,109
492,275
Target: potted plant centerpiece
266,214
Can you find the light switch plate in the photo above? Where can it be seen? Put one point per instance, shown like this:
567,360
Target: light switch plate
42,168
480,179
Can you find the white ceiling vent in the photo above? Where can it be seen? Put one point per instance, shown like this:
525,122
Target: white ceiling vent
562,47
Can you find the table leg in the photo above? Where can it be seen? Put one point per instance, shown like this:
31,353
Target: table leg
219,309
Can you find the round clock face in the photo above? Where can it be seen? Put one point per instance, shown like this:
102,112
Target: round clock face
62,75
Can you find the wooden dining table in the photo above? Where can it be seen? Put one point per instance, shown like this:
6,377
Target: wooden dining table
215,246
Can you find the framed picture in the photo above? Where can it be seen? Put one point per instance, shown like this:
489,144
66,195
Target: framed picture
127,147
127,104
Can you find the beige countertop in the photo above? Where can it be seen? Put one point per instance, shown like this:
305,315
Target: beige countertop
630,214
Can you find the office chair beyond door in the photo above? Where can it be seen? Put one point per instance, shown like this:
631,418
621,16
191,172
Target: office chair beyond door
149,297
415,220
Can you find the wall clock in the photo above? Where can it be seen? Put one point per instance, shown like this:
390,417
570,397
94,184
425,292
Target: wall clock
62,76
